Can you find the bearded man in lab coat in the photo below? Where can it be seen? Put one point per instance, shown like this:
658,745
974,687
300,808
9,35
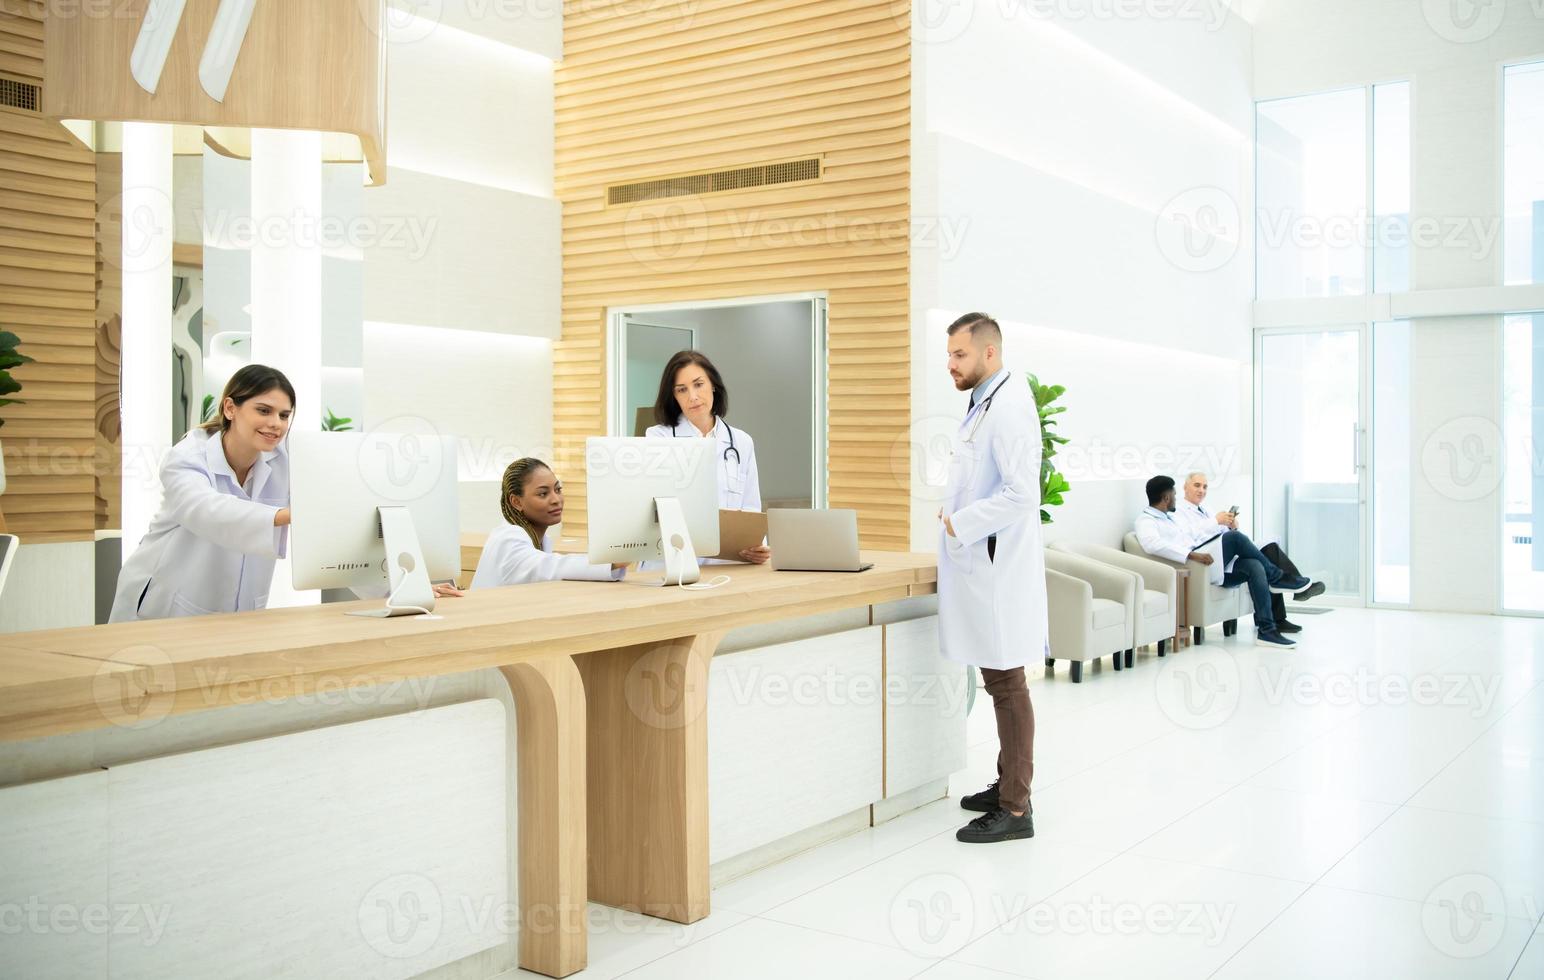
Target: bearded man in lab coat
991,570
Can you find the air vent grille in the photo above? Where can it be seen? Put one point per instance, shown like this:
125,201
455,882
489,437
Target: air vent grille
18,95
722,180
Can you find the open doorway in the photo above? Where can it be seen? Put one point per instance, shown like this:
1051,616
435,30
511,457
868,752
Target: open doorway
771,352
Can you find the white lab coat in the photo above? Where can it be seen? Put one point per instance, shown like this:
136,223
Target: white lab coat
212,547
510,558
1202,522
1175,536
739,487
993,613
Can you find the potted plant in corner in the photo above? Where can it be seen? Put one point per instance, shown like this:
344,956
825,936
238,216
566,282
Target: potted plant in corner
1052,483
9,358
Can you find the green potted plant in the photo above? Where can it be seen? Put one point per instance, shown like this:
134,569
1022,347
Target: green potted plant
333,423
1052,483
9,358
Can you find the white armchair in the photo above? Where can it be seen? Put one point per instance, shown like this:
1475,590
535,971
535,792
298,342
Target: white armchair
1206,604
1157,596
1092,610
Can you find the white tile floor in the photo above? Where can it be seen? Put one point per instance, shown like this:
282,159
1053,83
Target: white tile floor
1371,805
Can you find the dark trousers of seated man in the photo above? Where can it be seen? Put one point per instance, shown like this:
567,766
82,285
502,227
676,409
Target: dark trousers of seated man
1279,558
1254,570
1015,727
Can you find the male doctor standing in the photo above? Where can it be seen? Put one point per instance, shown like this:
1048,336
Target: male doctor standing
991,571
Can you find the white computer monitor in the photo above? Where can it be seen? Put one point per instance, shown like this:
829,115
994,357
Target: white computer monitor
356,497
653,499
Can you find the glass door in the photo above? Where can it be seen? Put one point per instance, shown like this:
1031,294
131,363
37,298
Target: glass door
646,349
1310,453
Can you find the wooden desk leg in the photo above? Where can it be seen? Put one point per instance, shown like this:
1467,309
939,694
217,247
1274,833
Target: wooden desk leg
550,731
648,776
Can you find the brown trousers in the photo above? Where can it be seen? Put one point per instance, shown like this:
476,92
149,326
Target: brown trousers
1015,735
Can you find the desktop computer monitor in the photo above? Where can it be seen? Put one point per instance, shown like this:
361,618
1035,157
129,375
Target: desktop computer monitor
357,497
653,498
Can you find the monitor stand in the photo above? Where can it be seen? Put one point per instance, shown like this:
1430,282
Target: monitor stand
675,543
412,594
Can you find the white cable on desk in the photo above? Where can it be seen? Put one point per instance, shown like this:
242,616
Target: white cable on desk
713,583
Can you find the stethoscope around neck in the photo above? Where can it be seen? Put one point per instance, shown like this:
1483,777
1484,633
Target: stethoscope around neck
985,406
731,449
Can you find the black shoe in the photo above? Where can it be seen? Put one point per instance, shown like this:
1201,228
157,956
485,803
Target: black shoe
1286,627
996,826
982,802
1287,585
1273,639
1315,589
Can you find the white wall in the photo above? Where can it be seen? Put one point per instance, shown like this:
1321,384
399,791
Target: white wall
1056,161
494,393
1316,45
462,298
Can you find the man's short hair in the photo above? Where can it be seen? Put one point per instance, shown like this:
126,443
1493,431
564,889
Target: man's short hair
1157,487
983,329
1192,475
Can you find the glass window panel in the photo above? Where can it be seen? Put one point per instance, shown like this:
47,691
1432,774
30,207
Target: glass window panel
1523,166
1391,187
1310,489
1312,196
1391,462
1522,414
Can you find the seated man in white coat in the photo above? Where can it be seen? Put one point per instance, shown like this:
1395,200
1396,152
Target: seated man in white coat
1164,537
1203,523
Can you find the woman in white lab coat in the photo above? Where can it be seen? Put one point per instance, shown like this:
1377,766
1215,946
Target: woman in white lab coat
693,403
519,551
224,514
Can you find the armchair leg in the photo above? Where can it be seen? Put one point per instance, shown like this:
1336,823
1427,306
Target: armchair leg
1050,662
1131,656
1117,658
1230,628
1077,671
1163,646
1198,635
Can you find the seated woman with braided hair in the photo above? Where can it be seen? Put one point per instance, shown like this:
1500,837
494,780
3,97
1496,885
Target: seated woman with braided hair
519,552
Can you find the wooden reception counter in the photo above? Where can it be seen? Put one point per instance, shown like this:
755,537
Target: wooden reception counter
610,685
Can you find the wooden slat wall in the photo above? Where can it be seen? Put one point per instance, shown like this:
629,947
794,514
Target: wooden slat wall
668,89
109,342
48,298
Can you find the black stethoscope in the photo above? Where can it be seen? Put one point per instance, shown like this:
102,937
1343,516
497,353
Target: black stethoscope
985,406
731,449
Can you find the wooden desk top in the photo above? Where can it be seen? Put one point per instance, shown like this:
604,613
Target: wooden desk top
52,681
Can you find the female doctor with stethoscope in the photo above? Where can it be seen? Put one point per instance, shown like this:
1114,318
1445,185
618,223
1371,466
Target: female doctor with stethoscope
224,512
693,403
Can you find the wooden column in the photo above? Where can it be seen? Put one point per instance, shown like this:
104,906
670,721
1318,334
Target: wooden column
549,716
648,776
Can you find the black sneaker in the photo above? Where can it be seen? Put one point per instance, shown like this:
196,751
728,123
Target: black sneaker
996,826
1316,589
1288,586
1273,639
1286,627
982,802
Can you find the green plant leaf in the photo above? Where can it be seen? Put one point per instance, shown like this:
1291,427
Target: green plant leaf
8,384
1045,517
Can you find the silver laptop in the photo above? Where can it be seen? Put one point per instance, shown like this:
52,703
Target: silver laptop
814,541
